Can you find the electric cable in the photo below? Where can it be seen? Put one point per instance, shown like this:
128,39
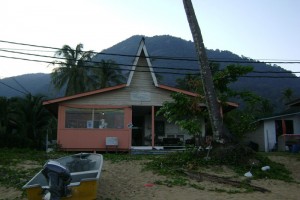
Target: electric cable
161,57
13,88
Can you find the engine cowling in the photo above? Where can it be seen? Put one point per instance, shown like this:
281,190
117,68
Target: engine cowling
58,177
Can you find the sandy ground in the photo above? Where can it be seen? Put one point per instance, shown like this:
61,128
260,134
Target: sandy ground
127,180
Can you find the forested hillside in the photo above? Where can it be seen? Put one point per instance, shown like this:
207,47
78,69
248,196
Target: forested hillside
172,58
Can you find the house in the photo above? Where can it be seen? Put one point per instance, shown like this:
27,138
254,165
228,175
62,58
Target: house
122,116
278,132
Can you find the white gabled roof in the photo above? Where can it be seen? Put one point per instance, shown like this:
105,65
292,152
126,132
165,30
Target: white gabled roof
141,49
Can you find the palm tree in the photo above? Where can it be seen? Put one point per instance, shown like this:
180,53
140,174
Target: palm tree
73,73
30,118
287,95
206,74
107,73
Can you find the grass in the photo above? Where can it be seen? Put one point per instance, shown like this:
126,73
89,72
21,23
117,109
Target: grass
172,165
13,173
13,176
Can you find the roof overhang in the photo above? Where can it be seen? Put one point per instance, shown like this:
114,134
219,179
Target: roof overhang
52,104
228,106
279,116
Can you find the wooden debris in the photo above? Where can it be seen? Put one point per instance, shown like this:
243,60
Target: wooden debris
198,176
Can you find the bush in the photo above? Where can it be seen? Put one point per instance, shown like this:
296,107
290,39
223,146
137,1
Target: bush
235,154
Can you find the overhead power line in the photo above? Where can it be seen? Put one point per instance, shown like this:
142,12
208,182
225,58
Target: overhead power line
187,70
97,62
279,61
261,60
177,73
293,77
23,88
37,50
86,66
31,45
12,88
159,72
154,67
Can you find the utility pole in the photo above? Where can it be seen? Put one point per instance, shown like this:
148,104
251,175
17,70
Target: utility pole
206,75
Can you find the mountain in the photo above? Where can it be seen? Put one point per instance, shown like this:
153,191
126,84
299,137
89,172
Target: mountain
170,69
38,83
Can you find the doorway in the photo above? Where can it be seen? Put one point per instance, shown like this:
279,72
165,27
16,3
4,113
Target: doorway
141,130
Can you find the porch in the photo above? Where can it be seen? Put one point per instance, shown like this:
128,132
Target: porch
156,150
289,142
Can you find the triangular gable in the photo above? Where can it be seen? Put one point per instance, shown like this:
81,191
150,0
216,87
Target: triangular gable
142,49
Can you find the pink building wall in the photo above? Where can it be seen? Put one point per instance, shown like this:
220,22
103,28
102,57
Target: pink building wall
85,139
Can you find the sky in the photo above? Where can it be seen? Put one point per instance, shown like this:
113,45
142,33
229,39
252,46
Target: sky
258,29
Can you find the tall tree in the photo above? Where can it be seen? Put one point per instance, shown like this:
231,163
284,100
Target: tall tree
73,73
206,75
107,73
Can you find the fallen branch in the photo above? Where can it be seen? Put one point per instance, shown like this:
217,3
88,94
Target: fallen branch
203,176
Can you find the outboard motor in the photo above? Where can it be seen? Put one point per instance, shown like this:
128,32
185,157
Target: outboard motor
58,178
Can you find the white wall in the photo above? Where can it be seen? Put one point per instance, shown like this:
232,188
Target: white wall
269,135
296,124
256,136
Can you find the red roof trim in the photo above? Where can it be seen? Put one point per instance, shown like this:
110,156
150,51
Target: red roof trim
83,94
190,93
178,90
232,104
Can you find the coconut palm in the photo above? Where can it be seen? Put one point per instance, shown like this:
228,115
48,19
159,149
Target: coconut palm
287,95
206,75
107,73
30,119
73,72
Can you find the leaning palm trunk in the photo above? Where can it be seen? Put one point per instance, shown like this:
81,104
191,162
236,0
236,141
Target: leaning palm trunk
206,75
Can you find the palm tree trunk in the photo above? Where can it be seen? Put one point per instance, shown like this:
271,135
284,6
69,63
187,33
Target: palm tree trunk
206,75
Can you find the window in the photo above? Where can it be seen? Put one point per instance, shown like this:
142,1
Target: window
159,128
94,118
109,118
289,127
78,118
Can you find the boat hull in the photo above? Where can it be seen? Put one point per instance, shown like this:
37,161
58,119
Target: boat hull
85,175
